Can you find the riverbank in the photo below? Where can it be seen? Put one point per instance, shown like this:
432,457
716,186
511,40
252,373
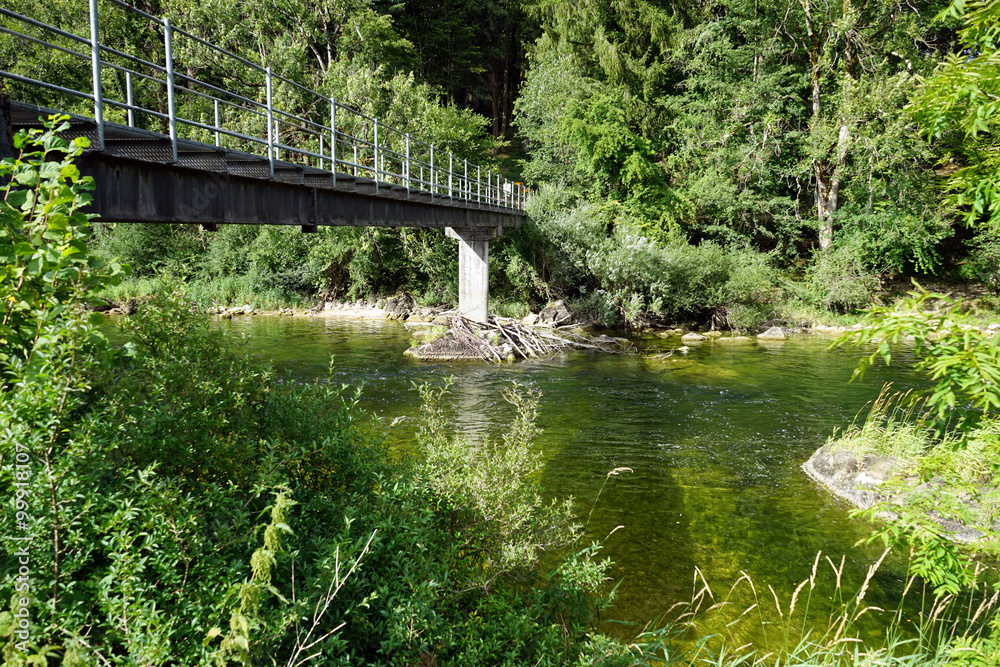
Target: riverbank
881,483
233,297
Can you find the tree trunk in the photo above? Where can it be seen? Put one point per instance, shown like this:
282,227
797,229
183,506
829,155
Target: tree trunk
495,96
828,177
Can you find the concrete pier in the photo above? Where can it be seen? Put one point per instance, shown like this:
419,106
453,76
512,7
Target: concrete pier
474,269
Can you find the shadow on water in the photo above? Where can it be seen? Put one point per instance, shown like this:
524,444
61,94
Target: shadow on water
715,440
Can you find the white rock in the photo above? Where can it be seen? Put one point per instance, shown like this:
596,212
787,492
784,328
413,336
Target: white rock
774,333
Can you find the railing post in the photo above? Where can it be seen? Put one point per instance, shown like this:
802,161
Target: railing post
128,98
479,185
465,183
171,103
95,65
355,160
451,171
333,139
489,188
432,173
376,165
270,121
218,125
406,172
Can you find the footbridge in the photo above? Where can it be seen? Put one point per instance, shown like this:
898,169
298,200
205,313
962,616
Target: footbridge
197,134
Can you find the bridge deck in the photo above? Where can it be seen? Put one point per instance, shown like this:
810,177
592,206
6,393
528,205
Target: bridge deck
137,181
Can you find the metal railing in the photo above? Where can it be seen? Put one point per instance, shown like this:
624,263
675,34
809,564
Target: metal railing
287,123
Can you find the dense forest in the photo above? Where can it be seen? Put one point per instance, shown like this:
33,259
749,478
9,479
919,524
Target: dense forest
733,162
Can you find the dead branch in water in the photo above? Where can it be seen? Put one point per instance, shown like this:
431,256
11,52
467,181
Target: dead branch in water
497,340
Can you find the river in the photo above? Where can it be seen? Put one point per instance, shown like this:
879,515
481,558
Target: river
714,439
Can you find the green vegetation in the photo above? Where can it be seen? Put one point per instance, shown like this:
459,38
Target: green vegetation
945,443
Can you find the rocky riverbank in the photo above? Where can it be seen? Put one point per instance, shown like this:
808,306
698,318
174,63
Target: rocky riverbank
867,481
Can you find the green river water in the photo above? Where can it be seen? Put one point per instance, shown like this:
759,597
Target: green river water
715,440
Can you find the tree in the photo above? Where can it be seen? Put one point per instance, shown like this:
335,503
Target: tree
751,113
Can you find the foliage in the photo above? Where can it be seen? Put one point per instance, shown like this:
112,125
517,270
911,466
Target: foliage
946,477
731,122
839,279
43,234
963,361
495,480
960,97
151,249
624,275
983,263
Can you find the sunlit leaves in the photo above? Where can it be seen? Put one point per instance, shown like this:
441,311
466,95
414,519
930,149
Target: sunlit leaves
962,360
44,263
963,96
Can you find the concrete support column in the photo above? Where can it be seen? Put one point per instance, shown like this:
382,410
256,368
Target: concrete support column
474,269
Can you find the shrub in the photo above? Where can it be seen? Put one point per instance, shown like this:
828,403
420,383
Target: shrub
153,248
46,269
840,281
983,262
605,264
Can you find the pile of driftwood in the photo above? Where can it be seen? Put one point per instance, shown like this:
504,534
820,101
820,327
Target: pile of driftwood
508,340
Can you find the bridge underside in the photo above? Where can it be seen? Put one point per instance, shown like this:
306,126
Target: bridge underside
131,190
137,181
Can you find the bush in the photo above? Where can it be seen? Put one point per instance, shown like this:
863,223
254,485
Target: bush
983,262
153,248
840,281
46,269
610,269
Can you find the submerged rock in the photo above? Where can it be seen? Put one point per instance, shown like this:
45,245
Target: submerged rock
733,339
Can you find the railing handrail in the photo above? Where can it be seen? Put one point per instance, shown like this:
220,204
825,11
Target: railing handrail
384,154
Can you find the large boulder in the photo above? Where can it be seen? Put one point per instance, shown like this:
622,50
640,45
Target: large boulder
400,306
555,314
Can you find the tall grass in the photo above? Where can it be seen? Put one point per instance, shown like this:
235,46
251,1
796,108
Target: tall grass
890,429
962,465
925,629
